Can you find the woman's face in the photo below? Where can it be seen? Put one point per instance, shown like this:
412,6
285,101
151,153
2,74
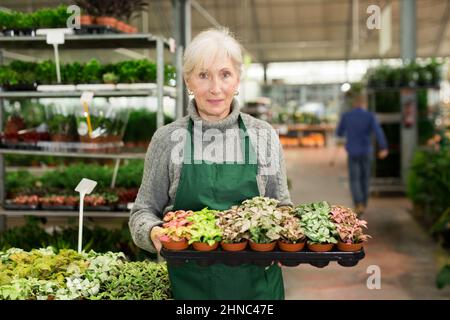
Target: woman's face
214,88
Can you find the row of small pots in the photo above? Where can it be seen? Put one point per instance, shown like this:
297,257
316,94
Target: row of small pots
262,247
109,22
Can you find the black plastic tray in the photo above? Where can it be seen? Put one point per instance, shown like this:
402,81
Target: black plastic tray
14,206
289,259
58,208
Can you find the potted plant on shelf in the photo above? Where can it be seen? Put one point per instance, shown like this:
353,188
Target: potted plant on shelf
264,220
176,230
317,225
110,78
349,228
235,229
292,237
205,234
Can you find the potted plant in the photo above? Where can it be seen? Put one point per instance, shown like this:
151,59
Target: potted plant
176,230
264,220
292,237
349,228
205,234
110,77
317,225
235,229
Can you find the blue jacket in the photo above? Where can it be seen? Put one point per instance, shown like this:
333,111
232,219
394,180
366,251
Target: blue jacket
357,126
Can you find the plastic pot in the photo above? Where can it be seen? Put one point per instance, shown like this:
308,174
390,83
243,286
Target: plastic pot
203,246
175,245
262,246
349,247
290,247
234,246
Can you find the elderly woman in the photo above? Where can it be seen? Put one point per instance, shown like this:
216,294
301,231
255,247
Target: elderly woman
254,167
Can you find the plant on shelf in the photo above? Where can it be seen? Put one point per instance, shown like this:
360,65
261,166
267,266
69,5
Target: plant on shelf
349,228
62,128
292,237
264,220
317,225
91,72
204,229
110,77
72,73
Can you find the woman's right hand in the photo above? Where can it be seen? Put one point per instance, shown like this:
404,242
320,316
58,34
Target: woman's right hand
154,236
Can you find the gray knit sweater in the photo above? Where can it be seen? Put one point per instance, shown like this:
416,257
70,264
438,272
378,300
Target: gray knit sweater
159,185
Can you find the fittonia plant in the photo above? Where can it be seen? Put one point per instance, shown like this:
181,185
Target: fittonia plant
204,228
316,222
349,227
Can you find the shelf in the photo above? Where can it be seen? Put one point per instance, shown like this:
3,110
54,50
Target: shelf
102,41
168,91
49,213
387,89
75,154
395,117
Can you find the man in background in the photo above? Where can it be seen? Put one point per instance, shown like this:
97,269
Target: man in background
357,126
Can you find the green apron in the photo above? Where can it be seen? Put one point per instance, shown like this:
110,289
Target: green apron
219,186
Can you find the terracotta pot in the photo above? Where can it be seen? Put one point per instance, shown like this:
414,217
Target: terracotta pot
175,245
61,137
107,21
122,26
320,247
290,247
262,246
203,246
234,246
86,20
350,247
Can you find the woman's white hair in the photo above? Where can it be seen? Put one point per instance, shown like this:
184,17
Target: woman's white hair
208,46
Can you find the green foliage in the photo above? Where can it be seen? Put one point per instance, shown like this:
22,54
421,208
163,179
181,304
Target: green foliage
20,179
33,235
443,278
137,281
316,222
203,228
411,75
131,71
141,125
91,72
130,174
46,72
429,181
43,18
69,177
48,273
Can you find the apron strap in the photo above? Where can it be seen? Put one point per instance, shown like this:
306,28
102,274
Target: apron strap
246,147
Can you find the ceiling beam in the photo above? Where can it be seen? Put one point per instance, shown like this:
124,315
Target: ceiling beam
442,28
349,29
256,28
205,14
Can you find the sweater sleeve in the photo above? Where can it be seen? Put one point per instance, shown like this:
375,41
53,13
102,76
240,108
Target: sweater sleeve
153,194
277,186
381,138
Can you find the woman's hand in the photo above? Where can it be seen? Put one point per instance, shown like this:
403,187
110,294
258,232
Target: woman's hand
154,236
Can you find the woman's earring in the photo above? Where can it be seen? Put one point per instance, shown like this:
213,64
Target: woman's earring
190,92
236,93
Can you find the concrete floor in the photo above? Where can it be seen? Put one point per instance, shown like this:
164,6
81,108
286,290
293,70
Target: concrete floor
400,247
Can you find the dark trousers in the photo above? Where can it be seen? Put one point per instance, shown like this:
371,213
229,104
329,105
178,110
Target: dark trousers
359,175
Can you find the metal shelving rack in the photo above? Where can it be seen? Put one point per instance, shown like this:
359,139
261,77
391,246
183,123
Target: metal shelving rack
408,137
104,41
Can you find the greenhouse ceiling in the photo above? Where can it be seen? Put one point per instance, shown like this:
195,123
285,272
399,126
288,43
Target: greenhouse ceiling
299,30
